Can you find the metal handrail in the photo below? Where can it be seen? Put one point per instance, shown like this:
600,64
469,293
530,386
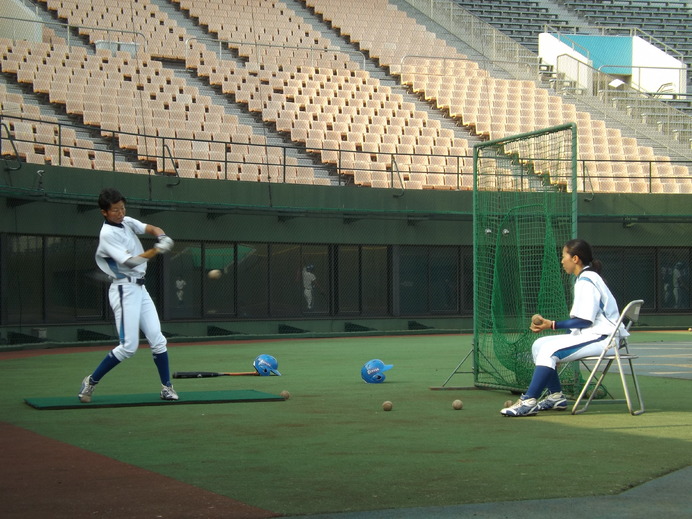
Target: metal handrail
14,148
496,47
636,31
258,44
68,27
564,38
167,153
593,87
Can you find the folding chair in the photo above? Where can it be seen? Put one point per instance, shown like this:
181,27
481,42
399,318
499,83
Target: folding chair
620,352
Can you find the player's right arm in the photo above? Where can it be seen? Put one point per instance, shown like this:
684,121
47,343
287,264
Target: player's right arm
133,261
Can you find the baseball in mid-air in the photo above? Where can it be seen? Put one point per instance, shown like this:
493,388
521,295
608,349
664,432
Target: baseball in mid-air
214,274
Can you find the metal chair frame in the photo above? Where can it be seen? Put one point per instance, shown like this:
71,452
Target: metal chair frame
618,353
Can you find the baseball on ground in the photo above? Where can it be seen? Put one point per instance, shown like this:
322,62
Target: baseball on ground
509,403
214,274
387,405
457,404
285,395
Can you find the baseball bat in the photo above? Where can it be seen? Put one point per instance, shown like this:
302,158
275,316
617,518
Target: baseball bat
208,374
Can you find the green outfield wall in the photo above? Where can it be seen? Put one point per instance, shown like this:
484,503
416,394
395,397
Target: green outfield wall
415,236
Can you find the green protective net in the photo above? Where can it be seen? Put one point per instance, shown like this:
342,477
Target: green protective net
524,200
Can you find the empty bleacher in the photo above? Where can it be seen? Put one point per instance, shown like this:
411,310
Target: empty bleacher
279,67
521,20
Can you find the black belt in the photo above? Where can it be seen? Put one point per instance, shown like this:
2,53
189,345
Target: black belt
139,281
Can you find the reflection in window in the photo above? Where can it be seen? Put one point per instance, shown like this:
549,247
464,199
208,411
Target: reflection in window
674,279
285,285
252,280
184,281
218,292
25,255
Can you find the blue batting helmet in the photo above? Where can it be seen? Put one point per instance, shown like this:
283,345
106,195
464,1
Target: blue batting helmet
266,365
373,371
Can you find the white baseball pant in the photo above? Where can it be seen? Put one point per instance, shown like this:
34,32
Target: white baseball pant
134,310
549,350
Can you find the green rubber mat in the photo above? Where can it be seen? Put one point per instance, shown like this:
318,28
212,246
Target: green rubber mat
187,397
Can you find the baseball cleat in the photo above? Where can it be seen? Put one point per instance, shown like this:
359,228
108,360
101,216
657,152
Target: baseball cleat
522,407
168,393
554,401
86,390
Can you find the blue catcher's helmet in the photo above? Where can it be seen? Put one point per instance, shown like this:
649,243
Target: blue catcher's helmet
266,365
373,371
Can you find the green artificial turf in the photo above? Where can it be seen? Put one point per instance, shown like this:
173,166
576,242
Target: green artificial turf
331,447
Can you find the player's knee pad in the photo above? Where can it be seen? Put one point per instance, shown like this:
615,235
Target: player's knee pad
157,349
121,353
547,361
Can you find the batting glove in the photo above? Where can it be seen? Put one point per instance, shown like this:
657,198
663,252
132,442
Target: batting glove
164,244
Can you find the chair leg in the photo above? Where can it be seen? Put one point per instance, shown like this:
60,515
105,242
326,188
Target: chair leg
636,389
625,387
592,374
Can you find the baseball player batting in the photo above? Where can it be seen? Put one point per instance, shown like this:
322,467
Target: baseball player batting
122,258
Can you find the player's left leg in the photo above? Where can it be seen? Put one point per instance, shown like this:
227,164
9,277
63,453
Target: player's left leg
308,297
151,327
124,300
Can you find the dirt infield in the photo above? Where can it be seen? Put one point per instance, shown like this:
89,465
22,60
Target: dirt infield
42,477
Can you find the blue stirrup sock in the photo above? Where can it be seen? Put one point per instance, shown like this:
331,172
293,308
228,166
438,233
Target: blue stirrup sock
107,364
554,385
161,361
543,377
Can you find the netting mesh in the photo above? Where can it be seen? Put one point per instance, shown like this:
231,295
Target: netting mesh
523,213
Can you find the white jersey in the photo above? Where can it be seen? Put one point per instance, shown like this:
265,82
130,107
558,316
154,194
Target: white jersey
117,244
308,279
594,302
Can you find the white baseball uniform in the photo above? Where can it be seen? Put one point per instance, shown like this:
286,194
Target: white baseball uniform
308,281
131,303
593,302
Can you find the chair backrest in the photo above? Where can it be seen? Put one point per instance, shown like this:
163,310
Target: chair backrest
631,312
628,316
